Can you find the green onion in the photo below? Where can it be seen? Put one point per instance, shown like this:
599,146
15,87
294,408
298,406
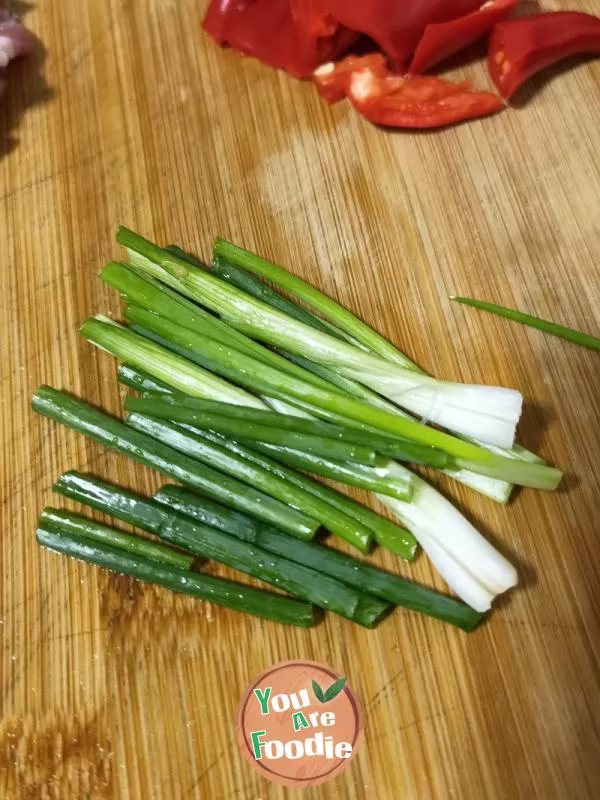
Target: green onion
201,413
142,353
277,400
368,579
201,448
144,293
380,480
214,590
583,339
231,363
210,513
342,567
134,545
488,412
98,426
140,381
386,533
263,378
240,427
172,369
347,385
81,487
335,314
227,272
498,490
201,540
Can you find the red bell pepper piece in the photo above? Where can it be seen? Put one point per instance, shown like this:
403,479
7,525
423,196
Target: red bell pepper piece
288,34
333,79
521,47
444,39
395,25
416,102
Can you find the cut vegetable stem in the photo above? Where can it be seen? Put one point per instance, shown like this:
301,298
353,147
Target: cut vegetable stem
205,413
346,569
214,590
98,426
244,428
134,545
571,335
201,448
386,533
488,412
201,540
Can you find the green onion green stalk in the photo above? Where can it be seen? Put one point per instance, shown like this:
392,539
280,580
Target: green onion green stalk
112,433
197,538
91,546
338,565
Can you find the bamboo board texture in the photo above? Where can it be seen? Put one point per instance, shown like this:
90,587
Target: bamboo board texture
111,689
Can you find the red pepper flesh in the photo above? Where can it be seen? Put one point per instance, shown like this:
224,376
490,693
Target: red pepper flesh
333,79
521,47
395,25
443,39
417,102
287,34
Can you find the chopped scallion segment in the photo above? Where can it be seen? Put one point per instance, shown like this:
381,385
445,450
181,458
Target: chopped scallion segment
214,590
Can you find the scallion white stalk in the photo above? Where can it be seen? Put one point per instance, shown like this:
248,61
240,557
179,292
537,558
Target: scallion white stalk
455,575
430,513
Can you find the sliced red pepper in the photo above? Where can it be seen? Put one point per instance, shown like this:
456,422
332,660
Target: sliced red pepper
395,25
444,39
319,34
413,101
288,34
521,47
333,79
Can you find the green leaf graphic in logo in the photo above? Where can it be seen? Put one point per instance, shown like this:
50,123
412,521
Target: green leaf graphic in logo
331,693
318,692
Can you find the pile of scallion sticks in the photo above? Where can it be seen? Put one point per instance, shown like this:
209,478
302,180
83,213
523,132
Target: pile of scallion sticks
244,394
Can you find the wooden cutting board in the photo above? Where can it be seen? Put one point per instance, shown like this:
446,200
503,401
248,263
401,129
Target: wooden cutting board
112,689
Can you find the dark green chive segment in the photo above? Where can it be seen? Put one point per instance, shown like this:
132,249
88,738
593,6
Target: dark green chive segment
386,533
135,545
85,419
354,475
342,567
215,590
193,410
201,540
210,513
571,335
104,497
173,334
238,428
200,447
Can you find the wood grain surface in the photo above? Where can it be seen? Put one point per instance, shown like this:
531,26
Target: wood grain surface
111,689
